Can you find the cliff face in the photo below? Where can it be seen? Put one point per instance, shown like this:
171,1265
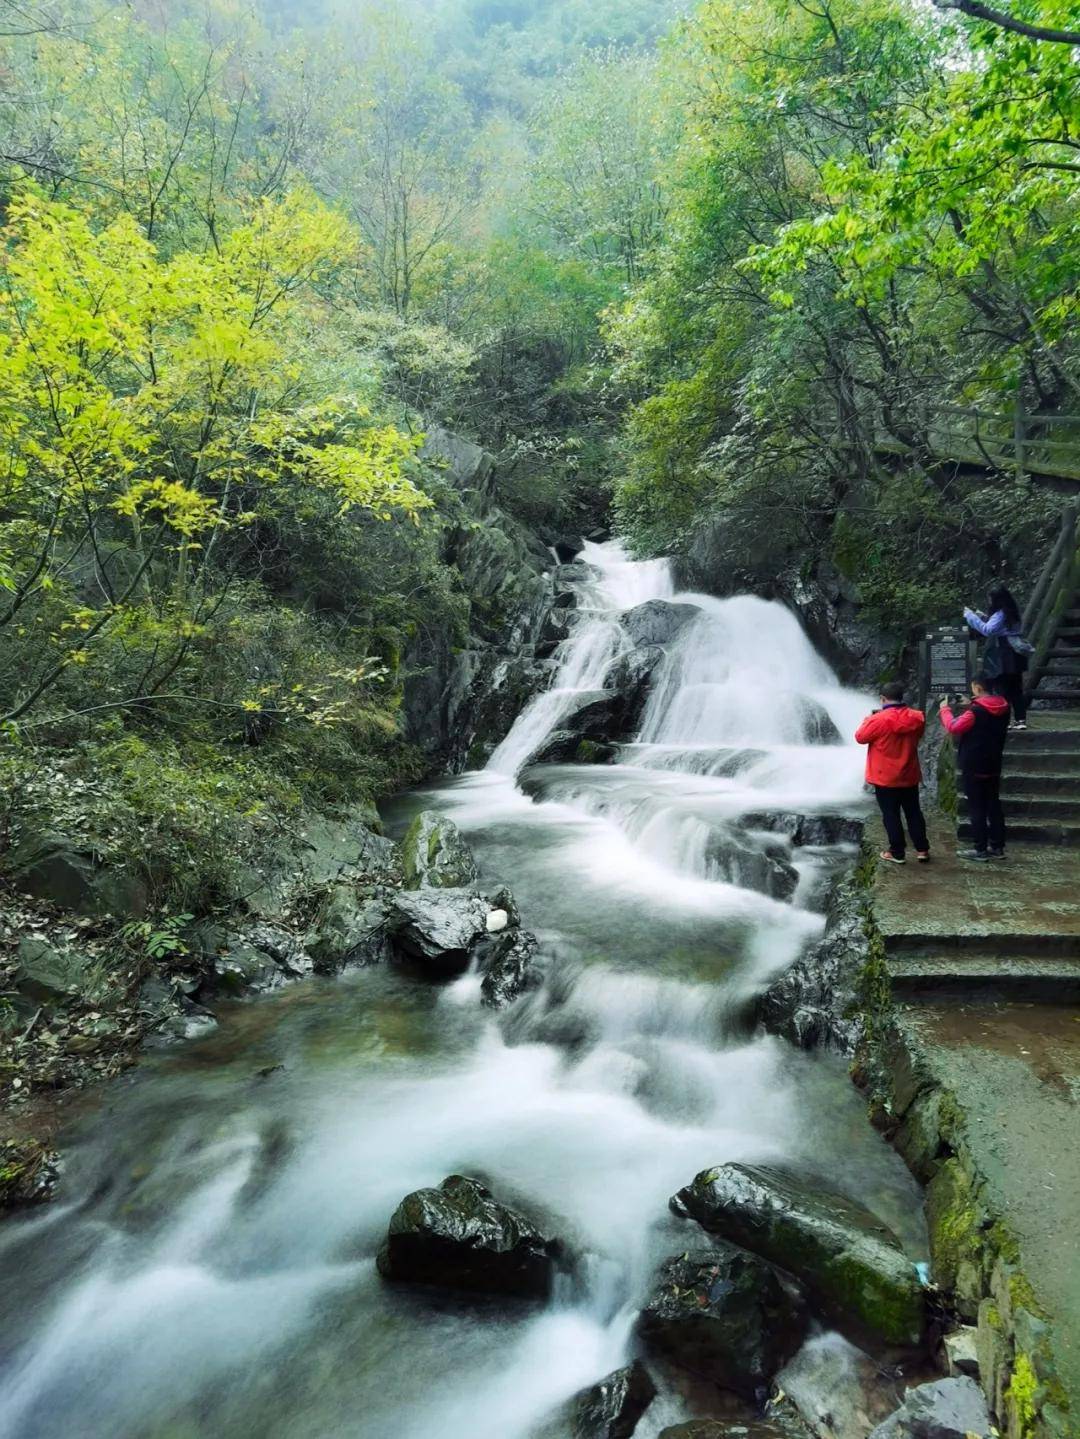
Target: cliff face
462,696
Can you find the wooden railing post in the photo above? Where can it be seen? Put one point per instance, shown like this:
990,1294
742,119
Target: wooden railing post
1019,434
1050,594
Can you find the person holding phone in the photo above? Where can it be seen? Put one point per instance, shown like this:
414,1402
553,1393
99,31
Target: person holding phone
892,734
980,730
1007,653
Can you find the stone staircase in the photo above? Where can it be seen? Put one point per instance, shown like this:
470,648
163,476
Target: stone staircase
1040,783
1056,678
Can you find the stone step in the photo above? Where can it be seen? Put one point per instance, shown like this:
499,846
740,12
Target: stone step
1063,649
987,943
1025,804
1063,762
1046,733
1048,832
1055,665
1057,693
1050,782
1020,976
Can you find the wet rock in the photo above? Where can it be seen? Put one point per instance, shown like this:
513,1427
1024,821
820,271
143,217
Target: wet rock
284,948
631,674
724,1314
808,829
762,867
852,1265
434,853
557,627
816,722
611,1409
508,963
438,927
243,969
47,975
567,577
598,718
946,1409
961,1351
836,1389
459,1237
351,927
485,713
503,899
760,1427
568,547
657,622
815,1003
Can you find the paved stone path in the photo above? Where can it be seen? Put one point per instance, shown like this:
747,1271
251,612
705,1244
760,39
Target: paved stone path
985,969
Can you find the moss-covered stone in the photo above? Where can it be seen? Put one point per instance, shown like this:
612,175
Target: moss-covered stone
851,1264
434,854
954,1219
28,1172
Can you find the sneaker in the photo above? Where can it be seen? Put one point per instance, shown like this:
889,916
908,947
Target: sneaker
979,856
923,856
996,853
1020,724
890,858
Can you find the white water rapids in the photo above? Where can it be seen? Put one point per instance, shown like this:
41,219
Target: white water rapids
209,1273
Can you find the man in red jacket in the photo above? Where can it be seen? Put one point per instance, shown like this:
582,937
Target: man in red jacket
892,766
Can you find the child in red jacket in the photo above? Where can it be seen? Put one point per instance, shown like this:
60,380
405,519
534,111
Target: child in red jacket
892,766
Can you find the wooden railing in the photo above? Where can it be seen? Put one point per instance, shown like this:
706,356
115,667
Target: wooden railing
1052,593
1044,447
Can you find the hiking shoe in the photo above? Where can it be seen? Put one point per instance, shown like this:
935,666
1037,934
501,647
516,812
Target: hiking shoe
890,858
979,856
996,853
923,856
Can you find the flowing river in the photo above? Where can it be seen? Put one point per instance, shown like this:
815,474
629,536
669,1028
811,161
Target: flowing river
209,1270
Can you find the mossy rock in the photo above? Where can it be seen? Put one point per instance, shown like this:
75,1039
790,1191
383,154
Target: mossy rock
28,1173
852,1265
434,854
955,1220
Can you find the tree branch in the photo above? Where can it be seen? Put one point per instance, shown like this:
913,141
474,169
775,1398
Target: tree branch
978,11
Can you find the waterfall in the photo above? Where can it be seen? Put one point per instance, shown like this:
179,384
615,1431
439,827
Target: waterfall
614,583
212,1271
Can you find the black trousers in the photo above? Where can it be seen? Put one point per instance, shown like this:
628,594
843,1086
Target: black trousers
894,801
1011,687
985,812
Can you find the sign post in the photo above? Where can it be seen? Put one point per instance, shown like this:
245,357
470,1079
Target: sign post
947,657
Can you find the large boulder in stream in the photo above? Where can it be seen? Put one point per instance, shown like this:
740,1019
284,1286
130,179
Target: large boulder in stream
438,928
725,1315
852,1265
611,1408
657,622
435,855
507,962
459,1237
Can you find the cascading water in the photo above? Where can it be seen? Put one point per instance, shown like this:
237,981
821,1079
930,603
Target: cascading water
211,1269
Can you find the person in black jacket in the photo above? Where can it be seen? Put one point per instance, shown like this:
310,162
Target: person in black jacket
980,730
